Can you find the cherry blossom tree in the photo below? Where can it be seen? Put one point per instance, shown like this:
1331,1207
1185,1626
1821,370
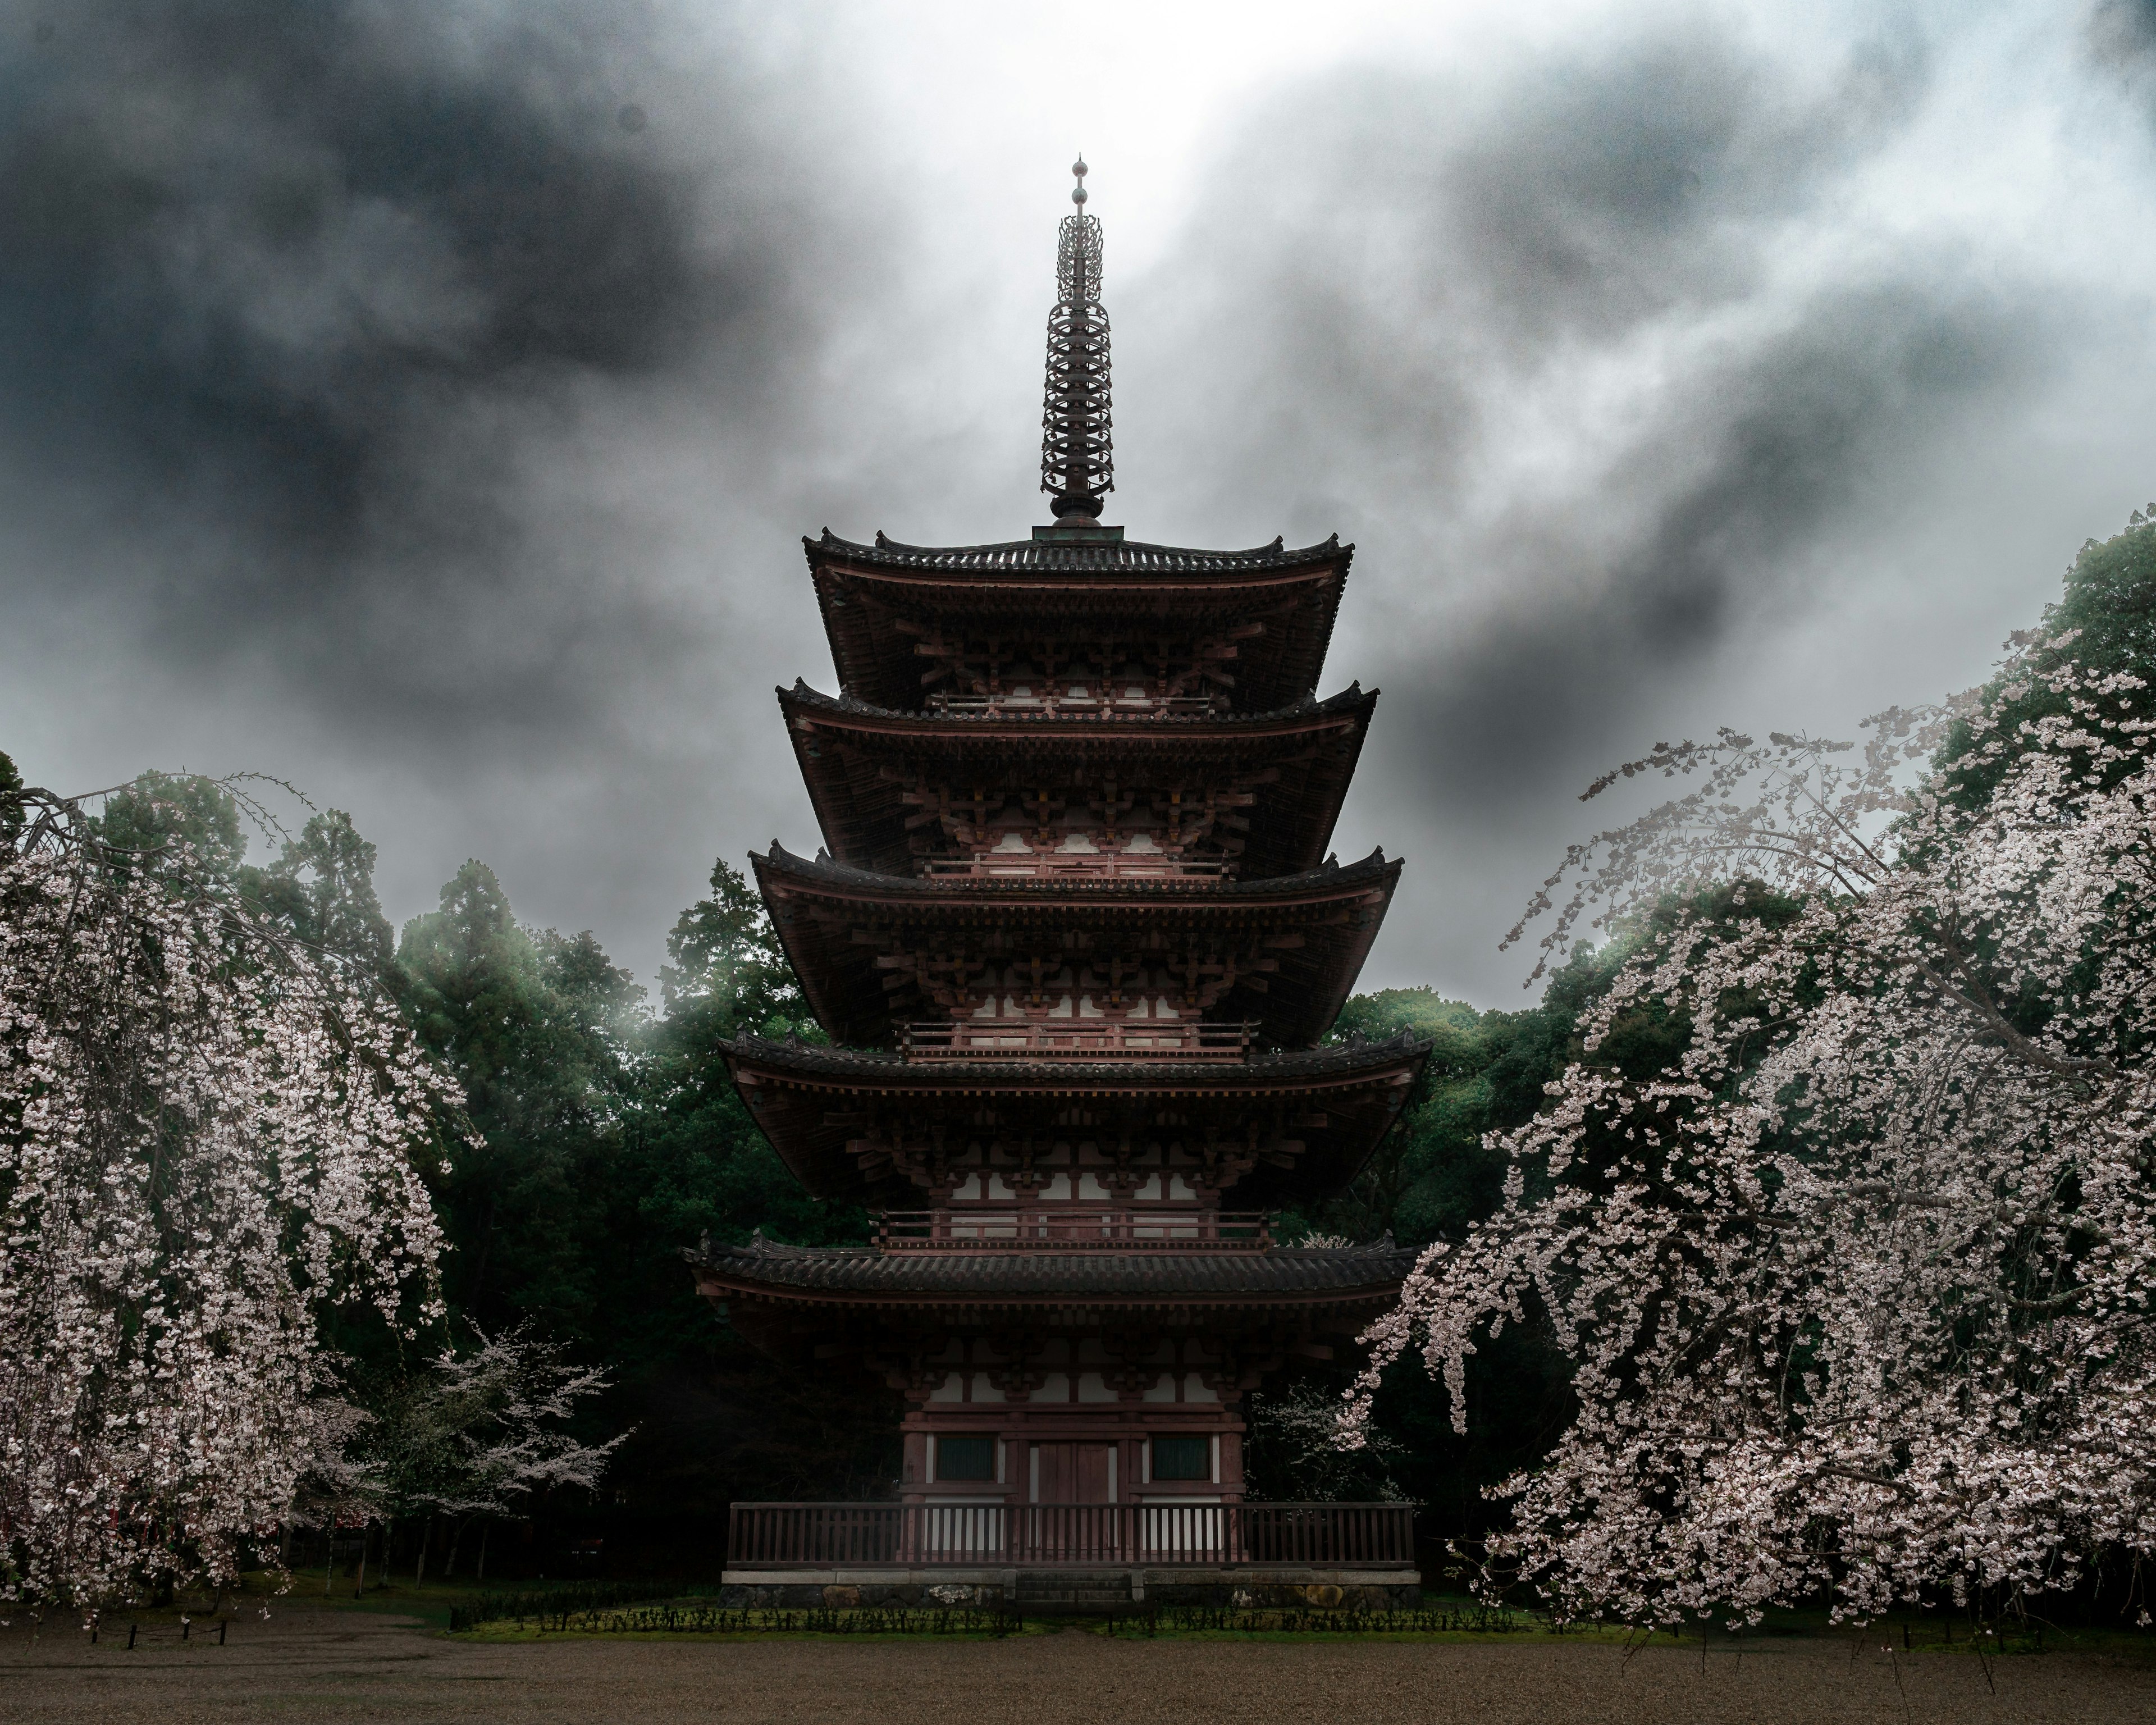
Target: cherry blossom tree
475,1434
1857,1290
208,1130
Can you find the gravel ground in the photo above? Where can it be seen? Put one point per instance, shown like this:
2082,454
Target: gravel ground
329,1666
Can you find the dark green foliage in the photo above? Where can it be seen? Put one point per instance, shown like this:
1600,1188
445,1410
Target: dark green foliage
11,812
720,1420
727,974
1433,1178
151,823
607,1143
533,1027
322,889
1433,1175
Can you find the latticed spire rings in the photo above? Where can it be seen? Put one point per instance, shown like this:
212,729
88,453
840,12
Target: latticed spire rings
1077,458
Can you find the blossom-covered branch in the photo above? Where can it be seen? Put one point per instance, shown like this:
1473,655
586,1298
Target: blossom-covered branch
208,1133
1857,1288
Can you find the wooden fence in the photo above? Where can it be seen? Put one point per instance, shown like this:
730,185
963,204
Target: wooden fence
786,1535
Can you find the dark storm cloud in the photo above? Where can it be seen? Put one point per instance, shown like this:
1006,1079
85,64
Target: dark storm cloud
1413,245
1588,196
291,294
420,401
2121,36
1444,252
1591,357
1768,449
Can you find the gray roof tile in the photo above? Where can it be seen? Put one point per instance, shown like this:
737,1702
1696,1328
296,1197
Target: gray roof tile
1062,1274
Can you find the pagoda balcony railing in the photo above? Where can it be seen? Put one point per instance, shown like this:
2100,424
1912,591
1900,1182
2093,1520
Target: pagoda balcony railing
1051,1228
1074,706
852,1536
1103,865
1076,1039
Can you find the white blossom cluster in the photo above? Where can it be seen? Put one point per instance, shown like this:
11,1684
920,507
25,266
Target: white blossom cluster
1857,1288
207,1139
476,1432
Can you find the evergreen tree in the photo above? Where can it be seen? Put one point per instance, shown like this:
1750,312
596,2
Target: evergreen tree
534,1027
322,888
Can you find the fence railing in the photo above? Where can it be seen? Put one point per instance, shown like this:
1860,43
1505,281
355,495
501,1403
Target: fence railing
1053,1228
778,1535
1070,865
1092,706
1076,1039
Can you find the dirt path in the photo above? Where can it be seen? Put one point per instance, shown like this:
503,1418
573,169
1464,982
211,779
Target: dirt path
327,1667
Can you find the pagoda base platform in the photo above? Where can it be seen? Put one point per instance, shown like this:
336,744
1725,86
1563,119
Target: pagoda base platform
1076,1589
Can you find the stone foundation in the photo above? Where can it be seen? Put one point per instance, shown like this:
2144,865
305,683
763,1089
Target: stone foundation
848,1596
1286,1595
1302,1590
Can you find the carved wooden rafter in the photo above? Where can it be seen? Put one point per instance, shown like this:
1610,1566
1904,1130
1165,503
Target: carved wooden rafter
924,1148
986,663
962,815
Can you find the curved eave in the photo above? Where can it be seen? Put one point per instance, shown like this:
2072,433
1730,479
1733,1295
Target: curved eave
1315,931
1033,1304
843,748
861,587
793,1092
869,1071
970,901
846,713
1280,1277
1079,555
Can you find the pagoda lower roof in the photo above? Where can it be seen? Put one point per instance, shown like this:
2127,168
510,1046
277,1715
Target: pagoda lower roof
1074,580
855,759
805,1098
1278,1276
1305,936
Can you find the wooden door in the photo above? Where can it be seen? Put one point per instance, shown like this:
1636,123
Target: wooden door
1075,1473
1081,1479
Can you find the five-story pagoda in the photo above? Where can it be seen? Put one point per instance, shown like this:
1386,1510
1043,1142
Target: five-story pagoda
1075,934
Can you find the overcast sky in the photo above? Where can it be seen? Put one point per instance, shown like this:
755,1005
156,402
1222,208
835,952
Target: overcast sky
422,400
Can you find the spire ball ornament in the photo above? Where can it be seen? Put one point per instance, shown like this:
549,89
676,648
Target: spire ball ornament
1077,461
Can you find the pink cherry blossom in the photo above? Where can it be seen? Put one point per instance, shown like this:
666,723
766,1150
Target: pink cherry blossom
1857,1291
207,1136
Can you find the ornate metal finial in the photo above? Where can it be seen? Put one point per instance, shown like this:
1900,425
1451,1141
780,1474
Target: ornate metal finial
1077,460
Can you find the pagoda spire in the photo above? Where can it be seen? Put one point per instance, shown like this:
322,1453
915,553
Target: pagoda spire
1077,461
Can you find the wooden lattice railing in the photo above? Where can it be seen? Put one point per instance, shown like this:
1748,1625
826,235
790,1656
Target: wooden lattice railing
1077,1228
1076,865
780,1536
1076,1039
1074,706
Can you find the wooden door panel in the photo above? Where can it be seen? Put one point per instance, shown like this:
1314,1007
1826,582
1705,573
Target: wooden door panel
1075,1473
1095,1473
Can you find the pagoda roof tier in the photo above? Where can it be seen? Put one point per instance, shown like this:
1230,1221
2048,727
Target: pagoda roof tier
864,766
875,951
1319,1113
1080,582
1281,1276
